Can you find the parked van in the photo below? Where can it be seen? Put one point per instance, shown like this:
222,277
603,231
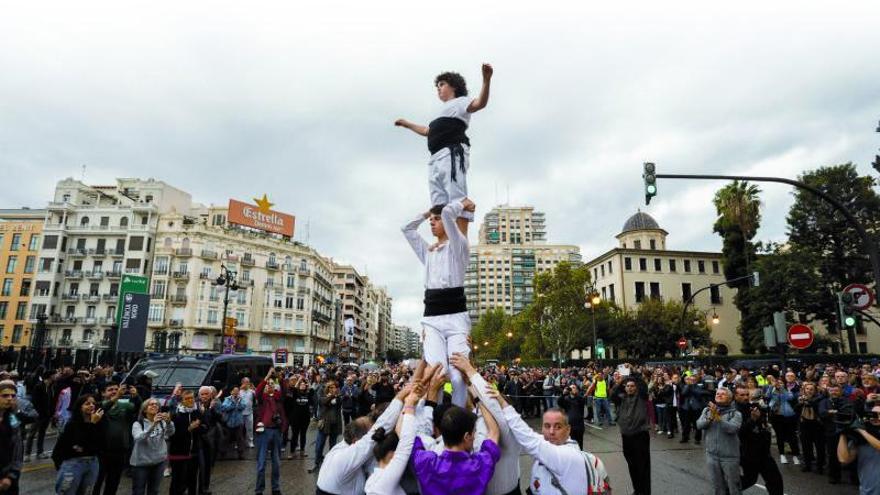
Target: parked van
221,371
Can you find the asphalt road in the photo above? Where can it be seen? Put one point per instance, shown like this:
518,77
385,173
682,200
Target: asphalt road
676,469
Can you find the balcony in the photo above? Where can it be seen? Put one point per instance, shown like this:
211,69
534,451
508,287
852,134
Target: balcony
163,270
178,299
303,291
73,274
76,253
69,319
271,265
205,276
133,271
89,321
116,253
175,323
248,262
110,297
180,276
113,274
105,342
289,267
92,298
70,297
96,275
304,271
98,252
106,321
320,317
157,295
208,255
65,342
183,252
269,284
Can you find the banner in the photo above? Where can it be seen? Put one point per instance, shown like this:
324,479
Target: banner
133,323
131,284
260,217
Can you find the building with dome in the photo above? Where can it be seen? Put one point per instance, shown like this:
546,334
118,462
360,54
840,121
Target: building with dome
641,267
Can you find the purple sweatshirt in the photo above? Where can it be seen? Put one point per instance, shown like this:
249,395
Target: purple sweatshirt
454,473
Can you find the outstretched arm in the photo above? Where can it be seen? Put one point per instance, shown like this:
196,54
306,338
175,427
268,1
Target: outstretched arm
481,101
411,232
421,130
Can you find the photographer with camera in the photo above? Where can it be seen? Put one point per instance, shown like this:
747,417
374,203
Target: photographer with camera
861,441
572,402
754,443
812,436
330,421
829,410
270,422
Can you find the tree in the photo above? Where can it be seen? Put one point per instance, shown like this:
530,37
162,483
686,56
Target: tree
821,233
653,329
558,309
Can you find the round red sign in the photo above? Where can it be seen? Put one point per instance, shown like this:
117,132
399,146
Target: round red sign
682,343
800,336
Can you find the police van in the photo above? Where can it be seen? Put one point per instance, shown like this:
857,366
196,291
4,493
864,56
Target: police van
221,371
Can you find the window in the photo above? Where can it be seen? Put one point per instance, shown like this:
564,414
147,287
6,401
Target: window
29,263
7,287
637,244
242,297
136,243
37,310
653,244
4,307
627,264
212,317
34,244
132,266
715,295
240,319
25,289
716,268
610,269
701,266
84,221
685,291
17,330
300,303
11,264
91,312
658,265
687,266
45,265
602,270
288,302
611,292
50,242
159,289
276,321
655,290
123,222
643,264
16,242
640,292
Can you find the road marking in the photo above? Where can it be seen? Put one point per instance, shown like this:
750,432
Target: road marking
594,426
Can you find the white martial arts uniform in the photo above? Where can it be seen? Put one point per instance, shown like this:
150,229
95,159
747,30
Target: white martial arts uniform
386,481
443,187
445,265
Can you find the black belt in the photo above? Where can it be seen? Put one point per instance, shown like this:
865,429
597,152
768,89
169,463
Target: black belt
445,301
456,150
318,491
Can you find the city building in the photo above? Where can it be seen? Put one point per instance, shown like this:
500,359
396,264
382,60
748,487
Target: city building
397,338
413,343
379,324
92,235
351,288
20,236
284,299
512,248
642,267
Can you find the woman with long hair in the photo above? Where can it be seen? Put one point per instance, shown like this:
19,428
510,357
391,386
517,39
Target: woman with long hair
76,452
298,404
330,423
150,433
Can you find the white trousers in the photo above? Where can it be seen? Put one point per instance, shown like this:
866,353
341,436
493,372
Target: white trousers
443,336
442,188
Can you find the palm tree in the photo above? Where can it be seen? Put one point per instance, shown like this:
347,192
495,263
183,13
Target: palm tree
738,205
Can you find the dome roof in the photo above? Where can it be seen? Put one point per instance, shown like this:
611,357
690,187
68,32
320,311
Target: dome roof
640,221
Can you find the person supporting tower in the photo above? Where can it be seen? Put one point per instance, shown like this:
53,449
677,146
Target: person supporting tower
447,141
445,324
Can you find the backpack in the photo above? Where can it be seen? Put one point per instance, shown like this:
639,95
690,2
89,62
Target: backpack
597,477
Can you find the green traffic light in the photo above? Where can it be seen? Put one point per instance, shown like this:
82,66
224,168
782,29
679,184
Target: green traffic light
849,321
652,189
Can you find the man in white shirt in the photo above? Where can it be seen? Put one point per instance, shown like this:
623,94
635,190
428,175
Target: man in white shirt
246,393
446,324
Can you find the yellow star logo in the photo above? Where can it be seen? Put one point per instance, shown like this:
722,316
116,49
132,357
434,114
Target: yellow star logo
264,204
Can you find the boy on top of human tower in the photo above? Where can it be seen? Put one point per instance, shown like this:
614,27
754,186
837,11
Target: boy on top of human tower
447,141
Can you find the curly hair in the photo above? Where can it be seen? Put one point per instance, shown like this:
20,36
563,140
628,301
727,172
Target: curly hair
455,80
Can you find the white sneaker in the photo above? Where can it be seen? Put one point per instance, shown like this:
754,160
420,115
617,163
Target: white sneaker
251,445
782,459
797,461
167,473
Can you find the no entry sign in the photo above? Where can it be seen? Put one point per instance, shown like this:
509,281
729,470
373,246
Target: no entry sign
800,336
682,343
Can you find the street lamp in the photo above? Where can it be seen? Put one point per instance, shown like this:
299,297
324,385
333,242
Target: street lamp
593,300
715,318
228,281
509,334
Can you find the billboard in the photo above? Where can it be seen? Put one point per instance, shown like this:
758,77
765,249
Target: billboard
133,323
261,216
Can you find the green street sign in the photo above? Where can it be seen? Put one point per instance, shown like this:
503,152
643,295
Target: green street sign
131,284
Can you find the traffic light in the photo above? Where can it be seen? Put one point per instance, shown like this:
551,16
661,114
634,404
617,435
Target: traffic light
846,311
650,182
876,163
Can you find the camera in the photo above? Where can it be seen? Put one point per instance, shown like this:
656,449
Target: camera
276,420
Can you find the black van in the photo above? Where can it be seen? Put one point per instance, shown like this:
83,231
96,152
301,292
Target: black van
222,371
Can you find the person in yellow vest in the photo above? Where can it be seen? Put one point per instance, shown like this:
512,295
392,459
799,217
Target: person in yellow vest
600,399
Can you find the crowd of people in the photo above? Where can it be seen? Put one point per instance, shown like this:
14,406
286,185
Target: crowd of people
401,433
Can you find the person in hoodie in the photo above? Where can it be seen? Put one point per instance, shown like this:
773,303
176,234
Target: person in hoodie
150,435
119,413
693,400
722,421
76,452
232,410
10,440
183,454
42,400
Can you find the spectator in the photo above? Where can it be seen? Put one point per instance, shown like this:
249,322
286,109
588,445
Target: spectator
10,440
631,397
246,391
572,402
208,406
754,443
185,443
783,417
812,435
600,399
76,452
232,411
299,415
119,414
693,400
150,434
864,446
41,398
722,421
271,421
329,425
349,396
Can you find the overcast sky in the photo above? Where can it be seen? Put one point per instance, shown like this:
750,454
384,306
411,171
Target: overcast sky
297,100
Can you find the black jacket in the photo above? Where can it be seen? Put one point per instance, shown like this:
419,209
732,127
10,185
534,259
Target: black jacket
79,439
185,443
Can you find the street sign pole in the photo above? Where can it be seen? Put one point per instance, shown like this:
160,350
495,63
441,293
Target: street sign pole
781,337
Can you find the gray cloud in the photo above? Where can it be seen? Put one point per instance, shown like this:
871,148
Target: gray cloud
225,100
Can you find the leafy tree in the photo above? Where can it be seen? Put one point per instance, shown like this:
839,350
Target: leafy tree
653,329
821,233
558,309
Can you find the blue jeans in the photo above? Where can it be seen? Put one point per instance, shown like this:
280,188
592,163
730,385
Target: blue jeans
146,479
270,438
319,445
602,410
77,476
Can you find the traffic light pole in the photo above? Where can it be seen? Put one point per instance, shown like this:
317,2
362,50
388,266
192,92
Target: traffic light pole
870,247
